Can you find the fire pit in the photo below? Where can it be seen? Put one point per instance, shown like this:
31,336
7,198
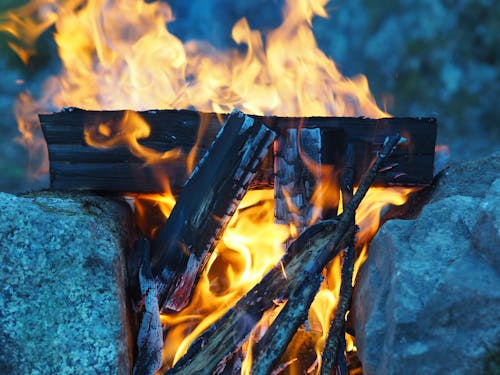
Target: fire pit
244,258
183,246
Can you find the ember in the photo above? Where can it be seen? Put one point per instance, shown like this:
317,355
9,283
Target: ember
119,54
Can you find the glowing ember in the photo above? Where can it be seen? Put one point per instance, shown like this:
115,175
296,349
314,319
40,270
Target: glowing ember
119,54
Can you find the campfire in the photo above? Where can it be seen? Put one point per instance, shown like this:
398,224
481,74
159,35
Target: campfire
237,302
253,223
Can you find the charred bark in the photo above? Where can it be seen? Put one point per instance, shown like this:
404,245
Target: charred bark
296,153
150,336
205,205
76,166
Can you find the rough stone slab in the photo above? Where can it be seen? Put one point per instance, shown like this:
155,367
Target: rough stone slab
428,297
62,284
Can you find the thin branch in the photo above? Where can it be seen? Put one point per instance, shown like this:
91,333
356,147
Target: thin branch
337,327
273,344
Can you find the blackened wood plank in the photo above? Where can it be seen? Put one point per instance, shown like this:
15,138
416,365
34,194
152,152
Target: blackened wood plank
64,132
206,203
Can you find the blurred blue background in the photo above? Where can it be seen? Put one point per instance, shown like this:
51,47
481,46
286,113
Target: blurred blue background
422,58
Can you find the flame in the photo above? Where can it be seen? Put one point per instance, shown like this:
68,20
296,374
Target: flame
321,314
129,130
233,268
119,54
369,213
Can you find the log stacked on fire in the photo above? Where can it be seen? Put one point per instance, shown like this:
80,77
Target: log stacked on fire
74,165
394,151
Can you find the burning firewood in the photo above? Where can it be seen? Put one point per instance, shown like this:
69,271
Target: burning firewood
150,336
205,205
306,257
74,165
295,151
210,196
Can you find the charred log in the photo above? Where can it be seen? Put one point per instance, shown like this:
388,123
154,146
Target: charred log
150,336
76,166
205,205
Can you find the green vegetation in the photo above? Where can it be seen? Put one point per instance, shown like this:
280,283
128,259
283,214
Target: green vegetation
433,57
492,361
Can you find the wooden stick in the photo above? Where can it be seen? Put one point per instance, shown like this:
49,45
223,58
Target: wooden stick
337,326
205,205
273,344
150,337
333,353
76,166
341,361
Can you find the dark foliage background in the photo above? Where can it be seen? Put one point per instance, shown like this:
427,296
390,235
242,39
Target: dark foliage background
425,57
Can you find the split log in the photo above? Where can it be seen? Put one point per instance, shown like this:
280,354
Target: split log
296,152
150,336
309,254
76,166
205,205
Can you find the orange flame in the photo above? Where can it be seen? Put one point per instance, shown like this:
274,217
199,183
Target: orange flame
128,131
234,267
119,54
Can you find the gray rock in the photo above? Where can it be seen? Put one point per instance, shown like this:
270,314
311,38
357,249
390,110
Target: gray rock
62,283
428,297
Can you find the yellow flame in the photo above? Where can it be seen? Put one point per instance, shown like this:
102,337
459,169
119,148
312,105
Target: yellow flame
320,316
129,130
369,214
233,269
119,54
